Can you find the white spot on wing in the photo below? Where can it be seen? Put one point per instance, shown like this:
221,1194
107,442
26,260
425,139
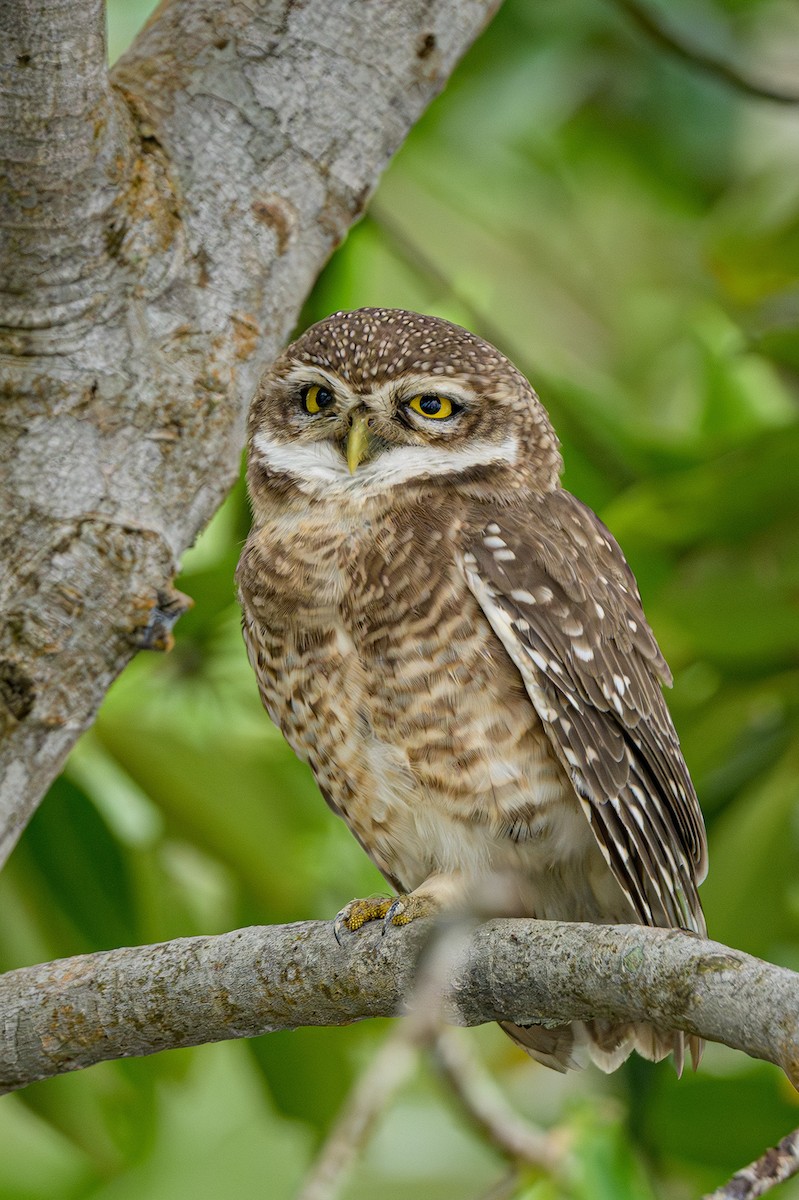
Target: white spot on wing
638,817
501,624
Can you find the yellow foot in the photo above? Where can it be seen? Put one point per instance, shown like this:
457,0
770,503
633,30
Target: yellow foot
397,911
436,893
359,912
400,910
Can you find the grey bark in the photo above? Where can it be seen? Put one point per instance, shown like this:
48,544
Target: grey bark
159,230
66,1015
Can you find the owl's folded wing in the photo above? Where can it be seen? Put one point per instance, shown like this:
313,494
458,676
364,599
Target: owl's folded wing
557,591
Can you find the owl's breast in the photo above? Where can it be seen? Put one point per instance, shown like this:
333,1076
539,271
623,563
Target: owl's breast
376,662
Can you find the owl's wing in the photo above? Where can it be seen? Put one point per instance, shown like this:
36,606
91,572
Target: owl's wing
557,591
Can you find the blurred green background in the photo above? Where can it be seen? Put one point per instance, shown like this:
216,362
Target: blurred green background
627,230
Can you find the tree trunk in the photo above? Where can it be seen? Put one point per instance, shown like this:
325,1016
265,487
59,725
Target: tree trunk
159,230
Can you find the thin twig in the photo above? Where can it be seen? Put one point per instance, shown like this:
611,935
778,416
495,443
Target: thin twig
391,1066
372,1093
569,419
703,60
505,1188
773,1167
409,251
487,1109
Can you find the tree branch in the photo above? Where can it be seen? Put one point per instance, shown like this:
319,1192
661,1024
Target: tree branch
773,1167
702,60
375,1088
68,1014
488,1111
213,175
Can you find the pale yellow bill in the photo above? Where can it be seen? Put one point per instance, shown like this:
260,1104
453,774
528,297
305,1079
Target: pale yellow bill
357,442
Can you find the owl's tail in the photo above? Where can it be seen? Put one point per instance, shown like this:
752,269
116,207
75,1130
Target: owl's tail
606,1043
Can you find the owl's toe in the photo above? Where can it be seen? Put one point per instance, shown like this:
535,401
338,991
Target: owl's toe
408,908
358,913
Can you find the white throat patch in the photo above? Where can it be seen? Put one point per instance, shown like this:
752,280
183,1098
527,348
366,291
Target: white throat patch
319,467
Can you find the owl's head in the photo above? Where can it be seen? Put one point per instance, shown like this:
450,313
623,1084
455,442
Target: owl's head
367,400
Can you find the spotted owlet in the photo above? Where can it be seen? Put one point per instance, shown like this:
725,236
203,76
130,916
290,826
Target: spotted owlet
456,646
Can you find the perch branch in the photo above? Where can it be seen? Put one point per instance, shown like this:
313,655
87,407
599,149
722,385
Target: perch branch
65,1015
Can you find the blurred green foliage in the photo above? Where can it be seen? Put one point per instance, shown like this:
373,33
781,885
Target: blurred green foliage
628,232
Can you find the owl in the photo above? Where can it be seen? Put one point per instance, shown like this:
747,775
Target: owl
456,646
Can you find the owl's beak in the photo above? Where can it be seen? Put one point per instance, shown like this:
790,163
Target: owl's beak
358,441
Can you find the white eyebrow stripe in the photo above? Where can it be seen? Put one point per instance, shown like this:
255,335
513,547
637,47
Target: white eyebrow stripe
319,467
306,375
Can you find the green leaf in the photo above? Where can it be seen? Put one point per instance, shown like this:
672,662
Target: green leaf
753,854
218,1135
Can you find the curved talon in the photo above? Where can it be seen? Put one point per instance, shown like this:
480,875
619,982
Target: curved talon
409,908
338,927
396,915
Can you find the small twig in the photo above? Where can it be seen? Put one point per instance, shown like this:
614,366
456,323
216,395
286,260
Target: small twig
371,1095
393,1065
408,250
505,1188
486,1107
703,60
773,1167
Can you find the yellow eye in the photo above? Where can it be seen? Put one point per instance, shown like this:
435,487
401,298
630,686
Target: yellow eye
430,405
317,398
